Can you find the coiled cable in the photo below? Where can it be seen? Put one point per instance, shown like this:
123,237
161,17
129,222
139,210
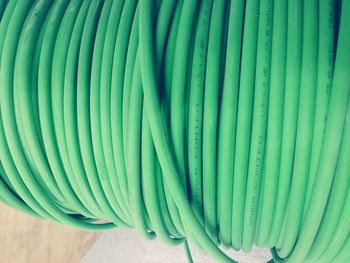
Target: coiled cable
214,121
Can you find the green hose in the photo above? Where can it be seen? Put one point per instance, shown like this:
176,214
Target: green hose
204,122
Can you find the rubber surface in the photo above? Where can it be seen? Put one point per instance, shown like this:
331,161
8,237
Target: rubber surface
210,122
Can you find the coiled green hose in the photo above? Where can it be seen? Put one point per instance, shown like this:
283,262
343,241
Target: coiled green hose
213,121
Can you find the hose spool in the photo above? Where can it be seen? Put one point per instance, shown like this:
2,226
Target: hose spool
222,123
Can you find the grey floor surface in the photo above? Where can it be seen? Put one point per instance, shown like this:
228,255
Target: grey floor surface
126,246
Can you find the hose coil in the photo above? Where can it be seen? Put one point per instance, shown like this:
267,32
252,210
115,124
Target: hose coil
214,121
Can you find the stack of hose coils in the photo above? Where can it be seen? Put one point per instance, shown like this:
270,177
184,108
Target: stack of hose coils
222,124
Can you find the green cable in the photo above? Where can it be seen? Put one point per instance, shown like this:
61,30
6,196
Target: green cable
59,51
107,37
165,12
244,119
270,171
304,126
179,83
334,215
331,142
195,115
90,105
199,122
259,122
84,165
165,213
290,113
8,161
324,83
210,116
68,185
227,122
167,80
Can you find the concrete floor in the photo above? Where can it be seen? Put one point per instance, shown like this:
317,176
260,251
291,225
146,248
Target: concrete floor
126,246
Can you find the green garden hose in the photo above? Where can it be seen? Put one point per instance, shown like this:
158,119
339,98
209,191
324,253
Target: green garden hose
213,122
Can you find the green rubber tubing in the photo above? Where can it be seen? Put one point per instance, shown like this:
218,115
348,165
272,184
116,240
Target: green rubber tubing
224,124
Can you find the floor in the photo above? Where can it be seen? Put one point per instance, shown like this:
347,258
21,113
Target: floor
125,245
25,239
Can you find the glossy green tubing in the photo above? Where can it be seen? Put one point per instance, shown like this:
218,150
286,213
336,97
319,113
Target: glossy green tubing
203,122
